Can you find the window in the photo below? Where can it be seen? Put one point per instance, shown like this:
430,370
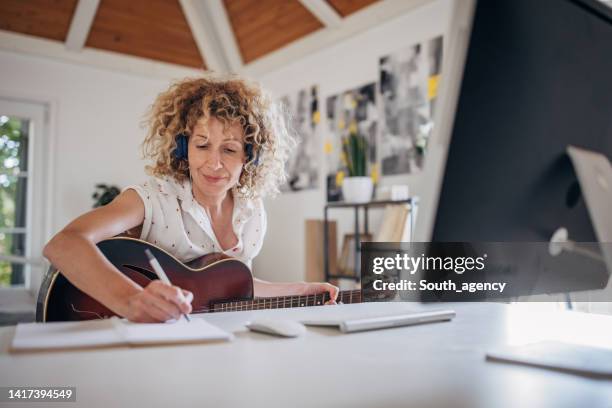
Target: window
22,193
13,188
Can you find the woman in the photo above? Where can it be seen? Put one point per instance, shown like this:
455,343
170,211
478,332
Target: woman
217,146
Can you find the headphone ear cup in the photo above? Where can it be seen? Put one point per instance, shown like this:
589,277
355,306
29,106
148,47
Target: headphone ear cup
181,147
248,149
184,147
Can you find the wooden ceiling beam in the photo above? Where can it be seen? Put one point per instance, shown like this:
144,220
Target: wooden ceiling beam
223,27
325,13
213,35
81,24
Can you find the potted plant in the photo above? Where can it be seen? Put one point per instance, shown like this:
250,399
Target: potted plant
358,186
104,194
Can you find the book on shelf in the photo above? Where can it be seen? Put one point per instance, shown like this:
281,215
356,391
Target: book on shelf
386,226
396,224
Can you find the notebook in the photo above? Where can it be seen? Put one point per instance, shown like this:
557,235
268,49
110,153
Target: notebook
351,324
112,332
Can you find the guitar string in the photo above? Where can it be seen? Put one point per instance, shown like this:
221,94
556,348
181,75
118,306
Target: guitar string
292,299
257,305
354,296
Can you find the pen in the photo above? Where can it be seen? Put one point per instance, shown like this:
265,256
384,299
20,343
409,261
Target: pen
162,275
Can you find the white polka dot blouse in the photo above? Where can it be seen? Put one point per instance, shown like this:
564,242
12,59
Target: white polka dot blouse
175,222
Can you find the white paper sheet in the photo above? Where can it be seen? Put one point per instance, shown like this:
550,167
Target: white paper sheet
177,332
110,332
65,335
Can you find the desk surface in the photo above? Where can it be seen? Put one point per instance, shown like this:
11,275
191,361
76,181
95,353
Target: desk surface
433,365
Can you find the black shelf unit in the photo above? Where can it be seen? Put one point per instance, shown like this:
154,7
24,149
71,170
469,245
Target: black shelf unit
355,206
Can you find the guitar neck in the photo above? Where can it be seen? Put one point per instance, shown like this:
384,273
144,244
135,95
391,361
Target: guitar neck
281,302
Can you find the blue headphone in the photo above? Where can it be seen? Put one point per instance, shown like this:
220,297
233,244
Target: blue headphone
248,149
180,153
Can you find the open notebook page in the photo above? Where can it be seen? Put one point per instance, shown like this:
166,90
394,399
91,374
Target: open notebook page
93,333
111,332
177,332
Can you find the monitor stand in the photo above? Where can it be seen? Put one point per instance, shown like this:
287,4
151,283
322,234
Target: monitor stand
594,174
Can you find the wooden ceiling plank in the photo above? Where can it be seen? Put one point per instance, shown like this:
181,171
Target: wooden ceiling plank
48,19
250,19
262,40
259,31
81,24
262,26
155,29
324,12
292,27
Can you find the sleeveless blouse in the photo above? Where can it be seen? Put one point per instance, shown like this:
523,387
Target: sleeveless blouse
175,222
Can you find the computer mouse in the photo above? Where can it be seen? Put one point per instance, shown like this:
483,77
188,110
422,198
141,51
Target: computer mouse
284,328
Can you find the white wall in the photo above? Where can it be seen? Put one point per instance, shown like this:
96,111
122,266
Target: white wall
96,129
344,66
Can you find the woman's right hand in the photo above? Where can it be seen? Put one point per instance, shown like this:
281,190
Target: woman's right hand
158,302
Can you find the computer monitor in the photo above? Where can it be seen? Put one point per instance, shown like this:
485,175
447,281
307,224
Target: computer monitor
524,80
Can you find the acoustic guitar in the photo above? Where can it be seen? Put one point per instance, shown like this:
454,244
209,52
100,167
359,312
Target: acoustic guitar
218,282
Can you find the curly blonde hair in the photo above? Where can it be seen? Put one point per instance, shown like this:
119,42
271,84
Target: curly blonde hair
231,100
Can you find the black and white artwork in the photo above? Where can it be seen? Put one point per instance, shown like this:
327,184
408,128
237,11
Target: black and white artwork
304,116
352,111
409,81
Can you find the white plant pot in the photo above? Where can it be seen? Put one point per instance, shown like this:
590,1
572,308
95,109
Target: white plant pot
357,189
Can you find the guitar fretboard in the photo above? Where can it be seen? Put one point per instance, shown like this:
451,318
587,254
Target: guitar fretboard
281,302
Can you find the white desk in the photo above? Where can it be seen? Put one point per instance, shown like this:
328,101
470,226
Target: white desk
434,365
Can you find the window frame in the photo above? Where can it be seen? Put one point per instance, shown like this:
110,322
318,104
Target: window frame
39,190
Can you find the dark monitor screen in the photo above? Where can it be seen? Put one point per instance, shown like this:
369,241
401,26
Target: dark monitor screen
538,77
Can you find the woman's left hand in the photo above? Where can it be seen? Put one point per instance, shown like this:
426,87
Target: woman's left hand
312,288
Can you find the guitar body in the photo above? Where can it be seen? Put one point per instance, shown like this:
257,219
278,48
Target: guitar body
213,278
